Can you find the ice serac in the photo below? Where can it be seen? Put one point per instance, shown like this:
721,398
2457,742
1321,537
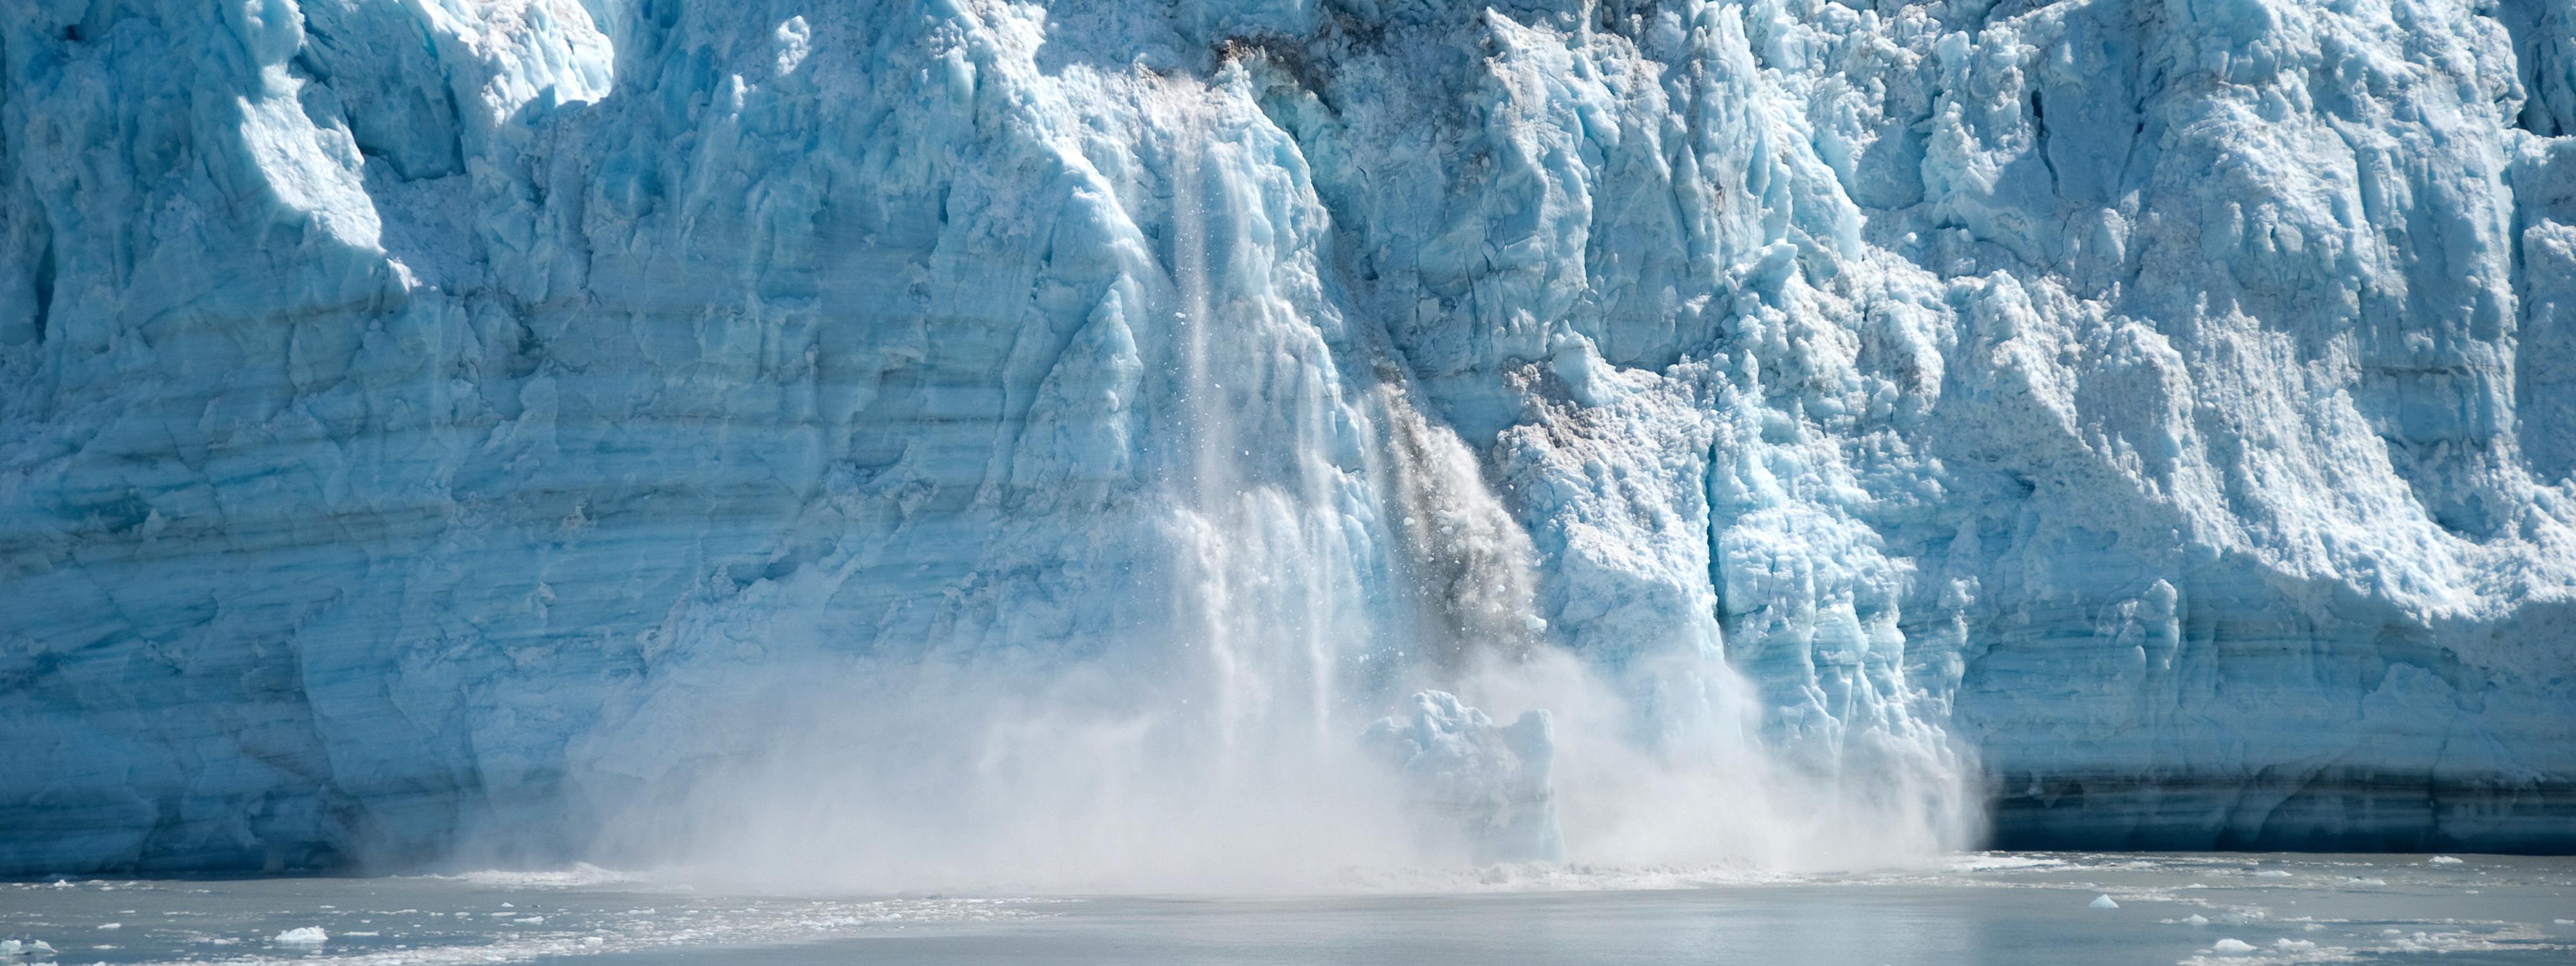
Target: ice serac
420,421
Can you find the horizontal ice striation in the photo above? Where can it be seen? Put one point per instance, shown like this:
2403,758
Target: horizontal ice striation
415,417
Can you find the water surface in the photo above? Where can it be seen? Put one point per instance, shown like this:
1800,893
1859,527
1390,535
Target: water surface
1994,908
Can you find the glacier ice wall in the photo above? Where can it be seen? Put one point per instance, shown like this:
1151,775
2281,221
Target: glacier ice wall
439,420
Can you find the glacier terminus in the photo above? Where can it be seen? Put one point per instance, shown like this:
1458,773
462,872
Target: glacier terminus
907,439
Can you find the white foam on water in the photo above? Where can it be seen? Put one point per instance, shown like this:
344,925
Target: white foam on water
580,874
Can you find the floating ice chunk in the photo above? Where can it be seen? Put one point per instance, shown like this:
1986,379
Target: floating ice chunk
2365,882
2294,945
2564,922
2232,946
104,926
2104,902
2195,919
2442,860
303,936
593,942
2272,874
530,921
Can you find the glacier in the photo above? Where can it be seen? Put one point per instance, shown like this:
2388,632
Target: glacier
544,426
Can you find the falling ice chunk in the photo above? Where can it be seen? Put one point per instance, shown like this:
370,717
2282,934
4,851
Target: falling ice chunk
1472,780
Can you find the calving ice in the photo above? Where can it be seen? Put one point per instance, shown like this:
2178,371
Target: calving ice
905,444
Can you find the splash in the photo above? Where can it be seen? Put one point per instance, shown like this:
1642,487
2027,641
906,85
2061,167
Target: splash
1343,613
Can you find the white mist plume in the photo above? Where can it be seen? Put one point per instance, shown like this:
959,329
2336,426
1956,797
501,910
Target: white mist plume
1224,743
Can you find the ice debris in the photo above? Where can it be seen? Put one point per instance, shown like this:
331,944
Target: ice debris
1473,779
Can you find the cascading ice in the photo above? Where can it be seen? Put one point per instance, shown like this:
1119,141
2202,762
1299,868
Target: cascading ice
444,425
1472,779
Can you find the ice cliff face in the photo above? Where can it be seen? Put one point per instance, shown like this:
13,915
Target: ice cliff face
422,418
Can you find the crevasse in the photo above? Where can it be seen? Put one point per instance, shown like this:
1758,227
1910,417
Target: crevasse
547,427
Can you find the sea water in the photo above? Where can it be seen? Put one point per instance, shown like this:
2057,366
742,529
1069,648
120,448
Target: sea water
2003,909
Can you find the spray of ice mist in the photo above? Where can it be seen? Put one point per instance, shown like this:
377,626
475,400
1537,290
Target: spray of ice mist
1289,723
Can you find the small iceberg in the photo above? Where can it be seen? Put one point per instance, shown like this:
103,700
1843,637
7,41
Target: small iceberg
2232,947
2103,902
303,936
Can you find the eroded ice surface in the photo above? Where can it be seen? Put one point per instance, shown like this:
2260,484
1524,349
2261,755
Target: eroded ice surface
439,422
